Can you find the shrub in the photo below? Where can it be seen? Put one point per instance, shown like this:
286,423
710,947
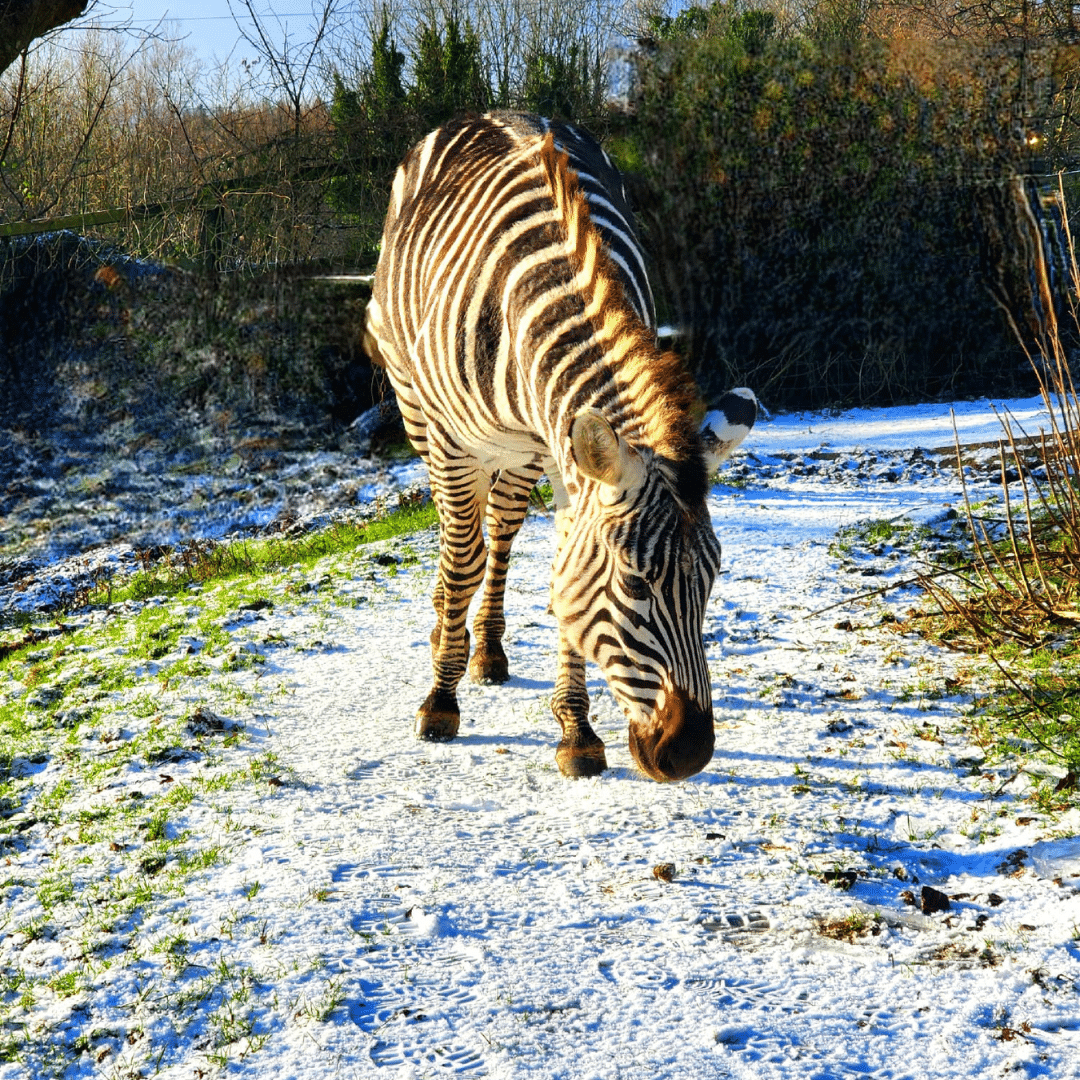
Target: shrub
818,208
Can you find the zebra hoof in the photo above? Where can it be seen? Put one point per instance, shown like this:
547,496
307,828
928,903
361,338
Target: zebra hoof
489,668
579,761
438,719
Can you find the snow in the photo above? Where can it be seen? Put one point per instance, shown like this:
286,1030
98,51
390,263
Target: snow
462,909
927,426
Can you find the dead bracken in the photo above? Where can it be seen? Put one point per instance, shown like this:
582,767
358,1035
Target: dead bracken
849,927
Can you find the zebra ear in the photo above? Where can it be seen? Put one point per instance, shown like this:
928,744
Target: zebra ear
601,454
727,425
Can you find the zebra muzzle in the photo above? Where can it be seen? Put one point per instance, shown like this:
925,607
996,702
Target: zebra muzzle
678,743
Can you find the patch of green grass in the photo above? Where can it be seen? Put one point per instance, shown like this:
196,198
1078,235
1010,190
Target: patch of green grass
265,766
156,633
55,890
203,859
876,536
175,947
205,562
180,796
322,1008
157,826
91,825
66,984
143,706
726,478
34,930
242,660
132,892
51,801
1038,712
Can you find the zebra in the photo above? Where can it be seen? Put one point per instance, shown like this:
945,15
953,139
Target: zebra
512,312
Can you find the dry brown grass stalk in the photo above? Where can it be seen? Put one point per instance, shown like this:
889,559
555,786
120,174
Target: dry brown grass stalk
1024,586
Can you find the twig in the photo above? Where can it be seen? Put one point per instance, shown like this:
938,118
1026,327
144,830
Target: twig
904,583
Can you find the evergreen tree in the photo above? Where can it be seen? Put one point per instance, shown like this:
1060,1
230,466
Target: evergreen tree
374,127
566,85
385,94
448,74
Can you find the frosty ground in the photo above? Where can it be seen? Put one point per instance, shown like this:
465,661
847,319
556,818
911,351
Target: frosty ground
237,860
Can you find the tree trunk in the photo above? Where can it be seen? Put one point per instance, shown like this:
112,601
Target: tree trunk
23,20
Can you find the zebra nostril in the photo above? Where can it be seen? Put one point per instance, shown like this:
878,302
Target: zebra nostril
680,743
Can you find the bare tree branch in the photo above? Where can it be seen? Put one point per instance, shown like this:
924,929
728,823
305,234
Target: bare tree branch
290,62
17,99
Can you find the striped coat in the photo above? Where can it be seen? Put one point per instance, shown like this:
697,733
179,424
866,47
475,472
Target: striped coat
512,311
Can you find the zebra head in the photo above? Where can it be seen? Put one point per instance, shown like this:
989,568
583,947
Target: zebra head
630,585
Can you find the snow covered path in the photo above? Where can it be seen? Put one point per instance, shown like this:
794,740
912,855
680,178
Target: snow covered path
412,910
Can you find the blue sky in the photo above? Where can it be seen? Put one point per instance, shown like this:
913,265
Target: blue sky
206,24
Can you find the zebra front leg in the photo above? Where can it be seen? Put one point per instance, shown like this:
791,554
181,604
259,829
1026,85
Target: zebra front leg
458,491
508,502
581,751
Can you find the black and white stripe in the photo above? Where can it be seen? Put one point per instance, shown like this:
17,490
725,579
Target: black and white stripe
517,326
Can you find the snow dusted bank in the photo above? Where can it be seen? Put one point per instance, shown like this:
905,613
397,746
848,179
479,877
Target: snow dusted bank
378,906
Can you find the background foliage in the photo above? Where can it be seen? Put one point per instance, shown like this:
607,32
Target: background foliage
828,190
820,203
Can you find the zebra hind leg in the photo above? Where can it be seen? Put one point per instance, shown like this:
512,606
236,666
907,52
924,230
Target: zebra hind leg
581,751
462,558
508,502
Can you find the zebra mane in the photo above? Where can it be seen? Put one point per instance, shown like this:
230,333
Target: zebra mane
658,399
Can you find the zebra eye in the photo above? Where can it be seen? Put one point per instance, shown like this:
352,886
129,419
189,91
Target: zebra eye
636,587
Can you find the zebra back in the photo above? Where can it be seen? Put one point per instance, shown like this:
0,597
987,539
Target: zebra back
605,193
479,295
